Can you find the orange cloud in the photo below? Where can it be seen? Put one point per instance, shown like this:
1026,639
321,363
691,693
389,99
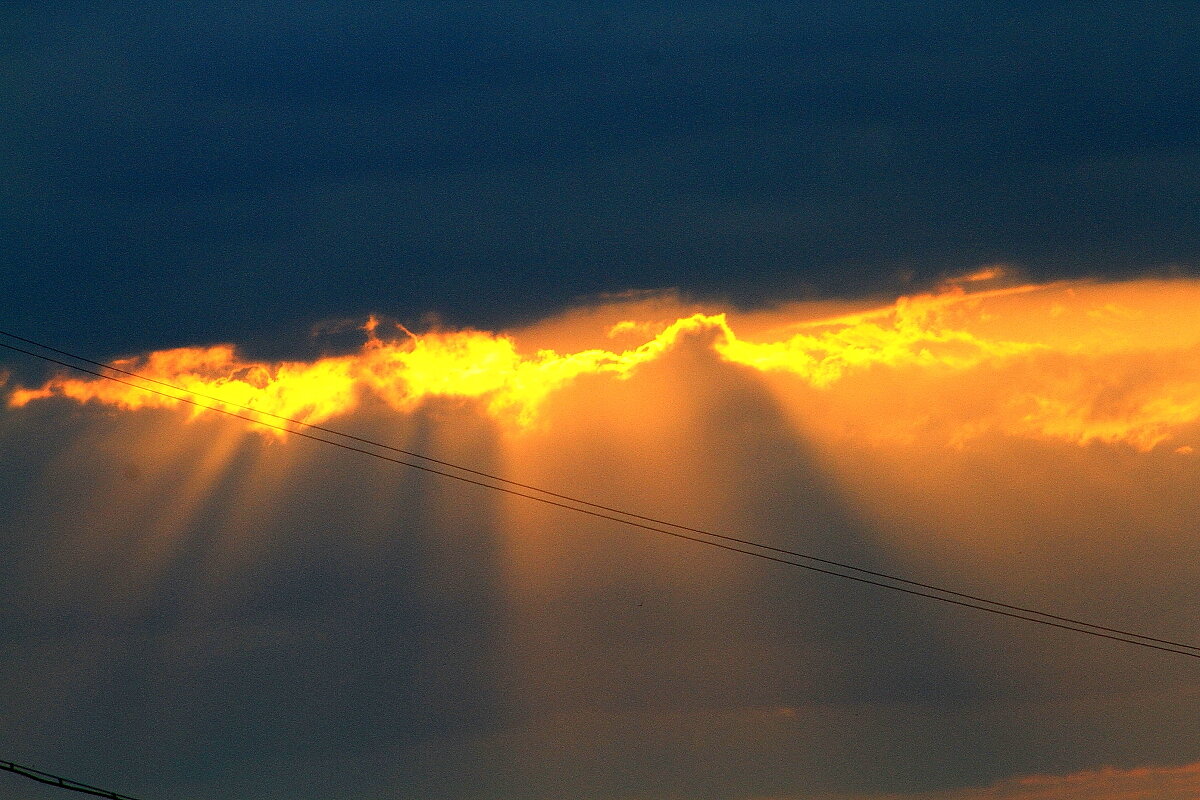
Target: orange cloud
1143,783
308,392
1083,363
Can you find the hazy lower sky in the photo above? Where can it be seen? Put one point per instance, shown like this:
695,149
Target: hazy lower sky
908,285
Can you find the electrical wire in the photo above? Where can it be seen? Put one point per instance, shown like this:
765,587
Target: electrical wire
724,542
572,499
60,782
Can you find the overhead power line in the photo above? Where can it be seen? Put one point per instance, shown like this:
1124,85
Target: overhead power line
60,782
546,492
749,547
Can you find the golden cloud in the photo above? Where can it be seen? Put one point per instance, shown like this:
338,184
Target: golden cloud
1075,362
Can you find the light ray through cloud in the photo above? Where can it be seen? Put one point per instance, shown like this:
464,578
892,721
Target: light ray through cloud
1025,442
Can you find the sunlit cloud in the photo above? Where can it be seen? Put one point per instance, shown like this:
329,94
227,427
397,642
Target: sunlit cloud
1076,362
1032,443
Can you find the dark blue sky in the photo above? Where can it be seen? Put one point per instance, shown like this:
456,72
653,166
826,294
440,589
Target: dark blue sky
180,173
183,173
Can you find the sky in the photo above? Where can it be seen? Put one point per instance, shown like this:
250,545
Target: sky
910,286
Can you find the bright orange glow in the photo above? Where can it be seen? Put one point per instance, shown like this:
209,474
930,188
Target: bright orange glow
925,331
1080,362
307,392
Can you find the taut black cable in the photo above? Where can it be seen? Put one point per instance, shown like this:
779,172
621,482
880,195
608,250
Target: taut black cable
60,782
569,498
944,595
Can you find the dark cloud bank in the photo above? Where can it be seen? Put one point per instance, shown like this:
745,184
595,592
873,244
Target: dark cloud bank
191,173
